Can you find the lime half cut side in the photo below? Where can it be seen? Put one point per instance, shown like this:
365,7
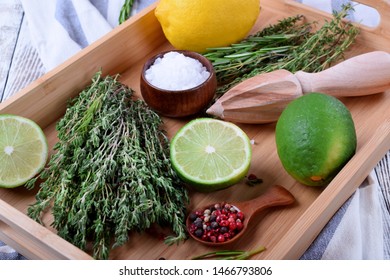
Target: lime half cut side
210,154
23,150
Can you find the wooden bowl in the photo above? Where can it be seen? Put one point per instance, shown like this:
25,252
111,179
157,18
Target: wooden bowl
179,103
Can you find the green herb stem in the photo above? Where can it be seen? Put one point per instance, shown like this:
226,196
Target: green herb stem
230,254
125,11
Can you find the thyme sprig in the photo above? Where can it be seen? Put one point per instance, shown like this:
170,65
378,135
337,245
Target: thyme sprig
110,173
230,254
125,11
291,44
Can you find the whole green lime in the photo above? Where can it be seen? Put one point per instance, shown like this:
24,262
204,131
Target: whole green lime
315,138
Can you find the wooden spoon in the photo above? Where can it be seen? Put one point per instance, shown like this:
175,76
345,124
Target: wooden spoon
274,196
262,98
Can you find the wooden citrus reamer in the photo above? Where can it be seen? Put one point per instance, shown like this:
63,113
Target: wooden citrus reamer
262,98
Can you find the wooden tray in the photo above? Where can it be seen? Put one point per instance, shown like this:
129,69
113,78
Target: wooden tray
285,232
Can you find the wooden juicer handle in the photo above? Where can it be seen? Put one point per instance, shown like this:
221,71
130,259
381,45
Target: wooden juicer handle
364,74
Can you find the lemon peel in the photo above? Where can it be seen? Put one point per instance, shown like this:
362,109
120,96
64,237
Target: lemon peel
198,25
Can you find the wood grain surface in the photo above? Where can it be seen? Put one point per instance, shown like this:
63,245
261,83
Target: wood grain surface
286,232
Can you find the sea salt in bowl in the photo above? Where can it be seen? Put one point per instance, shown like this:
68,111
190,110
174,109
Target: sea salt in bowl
178,83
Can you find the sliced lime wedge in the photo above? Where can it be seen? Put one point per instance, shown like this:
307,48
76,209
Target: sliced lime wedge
23,150
210,154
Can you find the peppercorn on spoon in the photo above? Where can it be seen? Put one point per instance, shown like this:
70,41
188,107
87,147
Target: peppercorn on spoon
262,98
274,196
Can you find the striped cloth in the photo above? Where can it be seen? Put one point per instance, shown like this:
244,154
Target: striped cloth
361,227
7,253
358,230
61,28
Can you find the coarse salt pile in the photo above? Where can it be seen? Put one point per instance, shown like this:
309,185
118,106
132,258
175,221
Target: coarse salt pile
175,71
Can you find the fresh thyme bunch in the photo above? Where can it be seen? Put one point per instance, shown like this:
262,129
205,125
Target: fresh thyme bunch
290,44
259,49
111,172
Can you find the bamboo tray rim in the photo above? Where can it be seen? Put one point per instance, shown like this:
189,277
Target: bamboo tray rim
55,247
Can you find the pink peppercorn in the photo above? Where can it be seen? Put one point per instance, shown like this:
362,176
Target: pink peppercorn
213,239
233,216
239,226
193,227
217,212
221,238
240,215
224,223
232,226
198,213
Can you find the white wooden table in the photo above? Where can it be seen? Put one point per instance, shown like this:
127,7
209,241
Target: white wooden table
19,62
20,65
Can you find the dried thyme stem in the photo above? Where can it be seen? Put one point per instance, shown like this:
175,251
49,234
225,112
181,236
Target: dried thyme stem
230,254
110,173
287,45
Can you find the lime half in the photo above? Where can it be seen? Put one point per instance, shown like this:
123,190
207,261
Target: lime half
210,154
23,150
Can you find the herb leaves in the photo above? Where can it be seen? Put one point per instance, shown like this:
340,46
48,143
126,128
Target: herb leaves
110,173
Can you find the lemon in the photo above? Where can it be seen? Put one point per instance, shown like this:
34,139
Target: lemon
315,138
210,154
196,25
23,150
